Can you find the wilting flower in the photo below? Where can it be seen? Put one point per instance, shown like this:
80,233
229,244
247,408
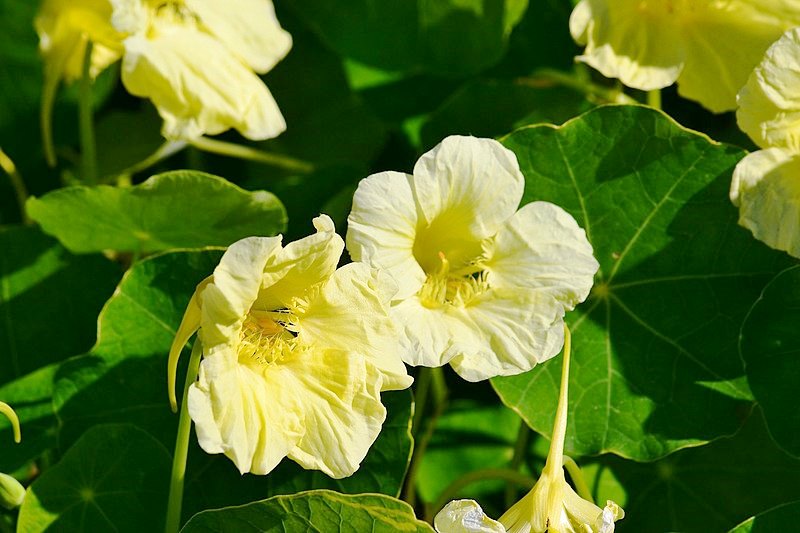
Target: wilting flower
197,61
295,355
481,285
708,46
766,184
552,505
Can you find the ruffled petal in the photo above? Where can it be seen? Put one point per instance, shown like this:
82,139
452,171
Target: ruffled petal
197,86
351,313
248,28
225,301
769,104
254,418
465,188
299,265
343,413
766,187
465,516
382,228
516,329
625,40
542,247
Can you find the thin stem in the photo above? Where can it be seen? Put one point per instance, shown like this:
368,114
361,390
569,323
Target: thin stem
86,122
555,457
182,447
578,83
505,474
9,413
164,151
654,98
520,449
421,392
248,153
17,182
578,480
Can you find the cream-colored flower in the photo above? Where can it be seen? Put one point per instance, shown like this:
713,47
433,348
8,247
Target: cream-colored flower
197,61
552,506
708,46
482,285
295,355
766,188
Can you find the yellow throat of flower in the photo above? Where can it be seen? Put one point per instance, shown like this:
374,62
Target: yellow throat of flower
267,337
446,287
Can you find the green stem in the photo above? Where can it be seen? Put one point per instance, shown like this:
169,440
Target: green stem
421,392
164,151
16,181
436,379
248,153
520,449
86,122
549,77
182,446
505,474
654,98
575,473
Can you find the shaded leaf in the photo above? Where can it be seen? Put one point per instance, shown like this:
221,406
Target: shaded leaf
782,518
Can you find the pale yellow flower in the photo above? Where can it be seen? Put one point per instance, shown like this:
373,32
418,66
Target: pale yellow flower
482,285
197,61
708,46
552,506
295,355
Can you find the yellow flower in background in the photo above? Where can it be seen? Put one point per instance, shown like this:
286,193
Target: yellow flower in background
295,355
197,61
708,46
552,506
482,286
766,184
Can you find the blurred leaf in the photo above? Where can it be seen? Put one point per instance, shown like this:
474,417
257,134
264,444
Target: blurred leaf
126,137
451,37
318,510
770,347
656,366
782,518
179,209
489,108
710,488
115,478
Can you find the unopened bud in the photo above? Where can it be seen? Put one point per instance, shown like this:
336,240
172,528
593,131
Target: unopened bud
11,492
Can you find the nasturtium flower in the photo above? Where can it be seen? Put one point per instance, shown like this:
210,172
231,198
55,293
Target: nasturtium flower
482,285
708,46
197,61
295,355
552,506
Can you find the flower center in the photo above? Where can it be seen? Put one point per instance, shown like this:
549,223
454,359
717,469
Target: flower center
267,337
445,287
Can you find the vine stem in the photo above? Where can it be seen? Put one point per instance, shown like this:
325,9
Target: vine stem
86,121
164,151
520,448
175,500
17,182
215,146
654,98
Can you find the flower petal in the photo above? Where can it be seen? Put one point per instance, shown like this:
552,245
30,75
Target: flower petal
197,86
299,265
640,47
516,328
343,413
769,104
249,29
455,184
382,228
254,418
542,247
225,301
465,516
351,313
766,187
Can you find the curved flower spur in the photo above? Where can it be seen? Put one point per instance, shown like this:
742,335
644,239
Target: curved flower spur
482,286
295,355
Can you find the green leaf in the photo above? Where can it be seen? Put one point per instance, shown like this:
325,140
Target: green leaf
318,510
115,478
656,366
782,518
710,488
179,209
770,347
213,481
452,37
